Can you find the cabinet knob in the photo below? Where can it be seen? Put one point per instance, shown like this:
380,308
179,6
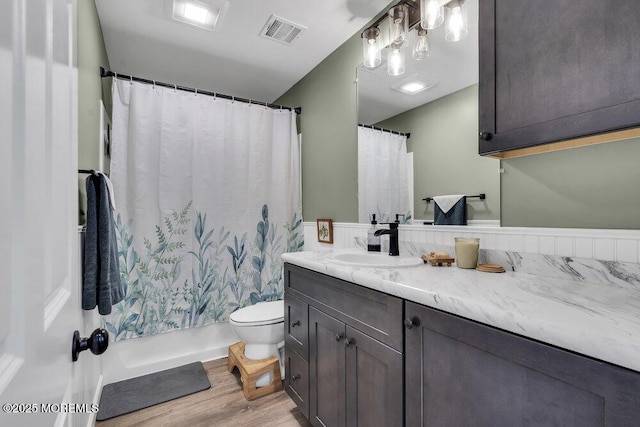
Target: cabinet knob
339,337
296,323
348,342
410,323
486,136
295,377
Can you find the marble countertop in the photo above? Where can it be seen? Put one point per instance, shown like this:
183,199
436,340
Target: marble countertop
597,320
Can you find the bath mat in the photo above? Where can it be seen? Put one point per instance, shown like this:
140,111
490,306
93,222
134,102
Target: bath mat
141,392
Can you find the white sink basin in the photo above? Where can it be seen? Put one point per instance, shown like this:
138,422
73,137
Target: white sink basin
377,260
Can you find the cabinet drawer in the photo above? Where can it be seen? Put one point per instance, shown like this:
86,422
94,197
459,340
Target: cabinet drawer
297,380
371,312
296,321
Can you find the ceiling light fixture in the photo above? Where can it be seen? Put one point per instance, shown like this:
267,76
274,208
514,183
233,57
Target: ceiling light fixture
414,84
422,15
205,14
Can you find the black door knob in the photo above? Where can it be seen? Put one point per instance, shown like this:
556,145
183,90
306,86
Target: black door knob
97,343
348,342
339,337
486,136
296,323
295,377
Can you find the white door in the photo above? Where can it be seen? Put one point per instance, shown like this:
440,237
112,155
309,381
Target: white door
38,211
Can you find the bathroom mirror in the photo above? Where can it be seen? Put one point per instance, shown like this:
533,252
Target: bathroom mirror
442,120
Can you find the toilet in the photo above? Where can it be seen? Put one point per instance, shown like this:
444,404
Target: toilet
261,327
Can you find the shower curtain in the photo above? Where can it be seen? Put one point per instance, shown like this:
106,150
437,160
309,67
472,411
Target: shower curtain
208,198
383,181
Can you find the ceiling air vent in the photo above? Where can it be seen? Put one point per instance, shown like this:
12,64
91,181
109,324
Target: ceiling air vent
281,30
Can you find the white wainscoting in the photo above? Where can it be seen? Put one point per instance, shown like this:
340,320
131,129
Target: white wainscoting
606,245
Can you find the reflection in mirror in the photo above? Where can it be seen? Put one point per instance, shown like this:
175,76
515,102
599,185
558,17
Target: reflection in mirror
383,178
436,102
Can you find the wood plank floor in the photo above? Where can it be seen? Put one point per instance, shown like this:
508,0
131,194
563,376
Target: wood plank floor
222,405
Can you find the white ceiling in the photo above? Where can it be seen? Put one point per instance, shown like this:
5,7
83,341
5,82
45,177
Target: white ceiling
142,40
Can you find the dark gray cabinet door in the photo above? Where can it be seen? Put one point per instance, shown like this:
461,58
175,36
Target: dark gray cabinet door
556,70
327,370
459,373
374,382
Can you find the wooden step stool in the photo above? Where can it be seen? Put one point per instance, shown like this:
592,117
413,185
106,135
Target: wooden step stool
251,370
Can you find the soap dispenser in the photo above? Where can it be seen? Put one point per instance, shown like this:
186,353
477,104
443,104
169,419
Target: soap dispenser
373,241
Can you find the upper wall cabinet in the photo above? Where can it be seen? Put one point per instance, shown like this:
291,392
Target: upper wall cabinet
557,70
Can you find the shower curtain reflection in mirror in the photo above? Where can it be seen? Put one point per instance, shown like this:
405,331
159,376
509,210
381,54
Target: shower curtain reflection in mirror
384,176
208,192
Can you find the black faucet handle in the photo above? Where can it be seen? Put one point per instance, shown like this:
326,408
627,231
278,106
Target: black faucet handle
392,225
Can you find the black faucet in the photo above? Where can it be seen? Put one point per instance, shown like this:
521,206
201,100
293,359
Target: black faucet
393,237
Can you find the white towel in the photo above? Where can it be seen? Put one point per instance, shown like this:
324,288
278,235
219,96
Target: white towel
447,202
112,196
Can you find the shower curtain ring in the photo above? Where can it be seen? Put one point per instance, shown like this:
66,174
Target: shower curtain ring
196,92
154,84
215,96
249,103
233,99
116,75
175,88
130,80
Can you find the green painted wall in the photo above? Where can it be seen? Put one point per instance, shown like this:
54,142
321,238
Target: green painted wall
91,88
589,187
444,142
328,121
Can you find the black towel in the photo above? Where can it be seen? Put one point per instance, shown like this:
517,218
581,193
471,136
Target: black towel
457,215
101,284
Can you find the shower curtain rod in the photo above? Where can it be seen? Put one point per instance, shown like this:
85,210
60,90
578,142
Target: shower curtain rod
408,134
108,73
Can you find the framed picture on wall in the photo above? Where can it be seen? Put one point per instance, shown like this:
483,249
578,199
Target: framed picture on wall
325,231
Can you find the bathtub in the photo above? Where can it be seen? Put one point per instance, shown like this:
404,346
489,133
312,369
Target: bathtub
139,356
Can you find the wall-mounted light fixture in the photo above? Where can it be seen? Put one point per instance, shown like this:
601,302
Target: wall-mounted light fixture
457,24
371,48
408,15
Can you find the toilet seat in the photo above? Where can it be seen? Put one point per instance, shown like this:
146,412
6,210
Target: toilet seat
263,313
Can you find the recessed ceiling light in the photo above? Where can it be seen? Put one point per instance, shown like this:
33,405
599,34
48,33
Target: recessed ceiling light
413,87
413,84
204,14
195,13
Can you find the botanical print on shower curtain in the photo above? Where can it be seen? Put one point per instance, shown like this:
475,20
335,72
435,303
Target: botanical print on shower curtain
383,178
208,197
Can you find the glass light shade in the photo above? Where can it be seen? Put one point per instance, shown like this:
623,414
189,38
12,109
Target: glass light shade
431,14
457,24
395,61
371,47
421,48
399,24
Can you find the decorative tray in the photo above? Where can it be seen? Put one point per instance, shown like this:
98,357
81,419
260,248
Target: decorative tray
438,259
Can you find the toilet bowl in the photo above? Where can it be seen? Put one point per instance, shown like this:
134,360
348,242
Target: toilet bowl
261,327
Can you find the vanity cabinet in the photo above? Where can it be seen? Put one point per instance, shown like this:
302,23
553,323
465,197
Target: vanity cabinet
556,70
354,343
459,372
